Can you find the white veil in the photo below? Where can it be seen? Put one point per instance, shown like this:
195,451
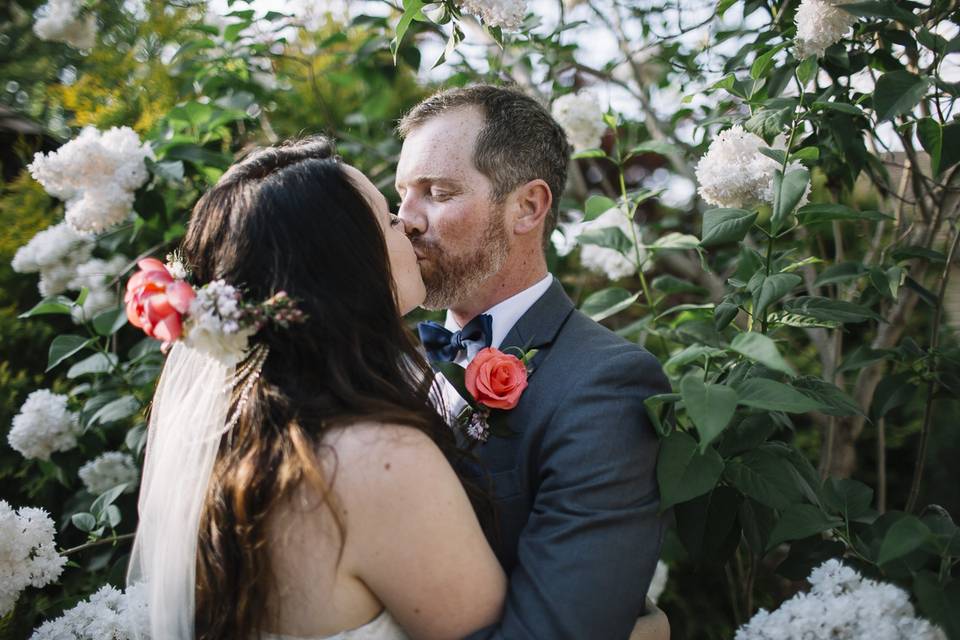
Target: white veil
188,418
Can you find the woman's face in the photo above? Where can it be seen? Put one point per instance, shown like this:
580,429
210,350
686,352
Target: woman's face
403,261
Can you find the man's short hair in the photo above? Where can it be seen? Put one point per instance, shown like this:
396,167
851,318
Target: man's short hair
518,142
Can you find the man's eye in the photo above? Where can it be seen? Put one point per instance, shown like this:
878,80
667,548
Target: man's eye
394,220
439,195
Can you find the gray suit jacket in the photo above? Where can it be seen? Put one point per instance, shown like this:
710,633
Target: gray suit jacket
575,488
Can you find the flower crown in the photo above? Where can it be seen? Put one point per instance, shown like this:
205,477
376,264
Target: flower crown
213,318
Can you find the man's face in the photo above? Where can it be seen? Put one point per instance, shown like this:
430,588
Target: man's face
458,233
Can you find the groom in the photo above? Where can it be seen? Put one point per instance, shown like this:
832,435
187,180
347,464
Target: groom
480,176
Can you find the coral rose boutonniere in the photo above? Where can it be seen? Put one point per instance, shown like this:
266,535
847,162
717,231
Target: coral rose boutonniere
491,384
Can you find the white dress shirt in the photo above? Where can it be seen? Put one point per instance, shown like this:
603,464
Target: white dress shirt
505,314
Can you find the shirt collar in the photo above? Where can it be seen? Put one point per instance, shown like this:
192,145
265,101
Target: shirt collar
506,313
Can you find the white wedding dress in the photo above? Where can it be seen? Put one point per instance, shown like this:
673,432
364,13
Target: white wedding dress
383,627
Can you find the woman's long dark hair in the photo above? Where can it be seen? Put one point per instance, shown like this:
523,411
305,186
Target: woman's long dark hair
288,218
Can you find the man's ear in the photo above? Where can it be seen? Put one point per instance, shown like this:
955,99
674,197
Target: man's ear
533,204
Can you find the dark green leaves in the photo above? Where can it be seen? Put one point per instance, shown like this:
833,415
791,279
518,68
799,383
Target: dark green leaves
787,192
762,349
801,521
597,205
65,346
942,143
57,305
709,406
608,237
721,226
683,472
771,289
412,9
903,537
881,9
828,309
897,92
816,213
607,302
761,393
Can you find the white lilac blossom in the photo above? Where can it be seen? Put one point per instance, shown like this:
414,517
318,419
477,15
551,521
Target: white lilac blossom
54,253
581,118
820,24
841,605
176,266
733,173
215,322
96,174
610,262
44,425
28,555
108,614
506,14
60,21
109,470
96,275
659,581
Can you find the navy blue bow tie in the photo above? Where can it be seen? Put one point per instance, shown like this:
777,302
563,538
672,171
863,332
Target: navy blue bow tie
443,344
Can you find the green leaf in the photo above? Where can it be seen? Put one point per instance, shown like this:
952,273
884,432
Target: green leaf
807,70
115,410
97,363
710,407
861,357
841,107
847,498
931,137
596,206
607,302
817,213
655,146
707,524
766,477
833,399
689,354
788,190
829,309
771,395
674,241
839,273
65,346
762,349
897,92
806,154
659,407
411,9
939,602
56,305
672,284
107,498
775,154
771,289
83,521
683,472
881,9
608,237
589,153
764,62
721,226
110,321
909,253
801,521
903,537
746,435
724,314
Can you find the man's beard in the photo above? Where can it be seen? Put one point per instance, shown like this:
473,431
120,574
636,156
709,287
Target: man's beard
451,279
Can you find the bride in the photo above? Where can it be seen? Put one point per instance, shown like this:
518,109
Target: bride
297,482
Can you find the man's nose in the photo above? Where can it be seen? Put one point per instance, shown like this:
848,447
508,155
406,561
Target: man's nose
414,221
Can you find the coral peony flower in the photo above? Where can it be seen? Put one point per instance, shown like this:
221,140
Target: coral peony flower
156,301
496,379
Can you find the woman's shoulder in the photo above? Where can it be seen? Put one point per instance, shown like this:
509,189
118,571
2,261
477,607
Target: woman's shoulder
375,461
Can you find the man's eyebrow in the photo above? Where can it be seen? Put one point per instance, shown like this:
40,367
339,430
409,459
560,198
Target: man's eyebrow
433,179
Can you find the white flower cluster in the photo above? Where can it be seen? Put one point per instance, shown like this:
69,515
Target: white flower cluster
59,21
841,605
580,116
108,470
96,275
659,582
611,262
54,253
820,24
733,172
28,555
44,425
108,614
506,14
214,322
176,267
96,174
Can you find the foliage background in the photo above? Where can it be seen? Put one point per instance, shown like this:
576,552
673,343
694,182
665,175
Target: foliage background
204,84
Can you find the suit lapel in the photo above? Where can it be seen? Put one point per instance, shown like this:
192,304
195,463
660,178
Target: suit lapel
538,327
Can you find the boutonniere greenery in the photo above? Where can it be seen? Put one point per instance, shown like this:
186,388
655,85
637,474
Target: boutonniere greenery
492,385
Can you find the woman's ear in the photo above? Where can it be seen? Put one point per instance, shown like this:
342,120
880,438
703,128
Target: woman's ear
534,200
